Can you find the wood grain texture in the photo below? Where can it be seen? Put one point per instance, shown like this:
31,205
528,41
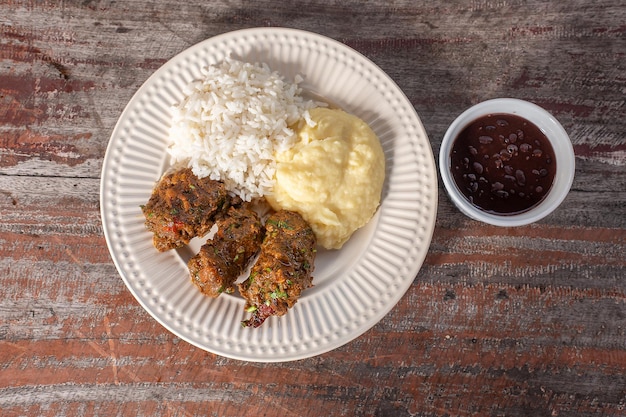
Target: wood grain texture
529,321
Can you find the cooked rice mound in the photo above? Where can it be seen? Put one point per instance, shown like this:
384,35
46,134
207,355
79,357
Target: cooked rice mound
232,122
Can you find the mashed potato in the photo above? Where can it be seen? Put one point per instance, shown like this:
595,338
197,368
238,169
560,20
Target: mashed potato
333,176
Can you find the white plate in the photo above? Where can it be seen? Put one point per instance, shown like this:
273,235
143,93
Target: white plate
354,287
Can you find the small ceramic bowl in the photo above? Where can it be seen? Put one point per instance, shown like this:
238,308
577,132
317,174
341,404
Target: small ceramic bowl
547,124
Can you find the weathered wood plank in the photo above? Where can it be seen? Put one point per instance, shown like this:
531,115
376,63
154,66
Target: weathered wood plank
516,322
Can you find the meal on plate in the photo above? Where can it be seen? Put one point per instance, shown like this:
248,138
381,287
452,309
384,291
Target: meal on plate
245,137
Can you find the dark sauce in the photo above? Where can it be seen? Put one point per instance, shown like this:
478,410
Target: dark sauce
503,164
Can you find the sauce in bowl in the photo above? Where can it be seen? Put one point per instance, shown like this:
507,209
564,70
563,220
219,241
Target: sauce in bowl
503,164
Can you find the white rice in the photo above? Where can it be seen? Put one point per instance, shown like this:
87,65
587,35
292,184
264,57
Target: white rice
232,122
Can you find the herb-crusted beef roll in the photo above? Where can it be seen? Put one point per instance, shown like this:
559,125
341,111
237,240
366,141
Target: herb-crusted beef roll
183,206
283,269
221,260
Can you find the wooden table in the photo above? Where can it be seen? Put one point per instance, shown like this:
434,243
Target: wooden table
527,321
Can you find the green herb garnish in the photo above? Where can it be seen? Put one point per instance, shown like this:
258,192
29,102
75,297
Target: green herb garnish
278,294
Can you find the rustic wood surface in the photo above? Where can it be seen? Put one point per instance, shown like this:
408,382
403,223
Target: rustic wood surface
527,321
